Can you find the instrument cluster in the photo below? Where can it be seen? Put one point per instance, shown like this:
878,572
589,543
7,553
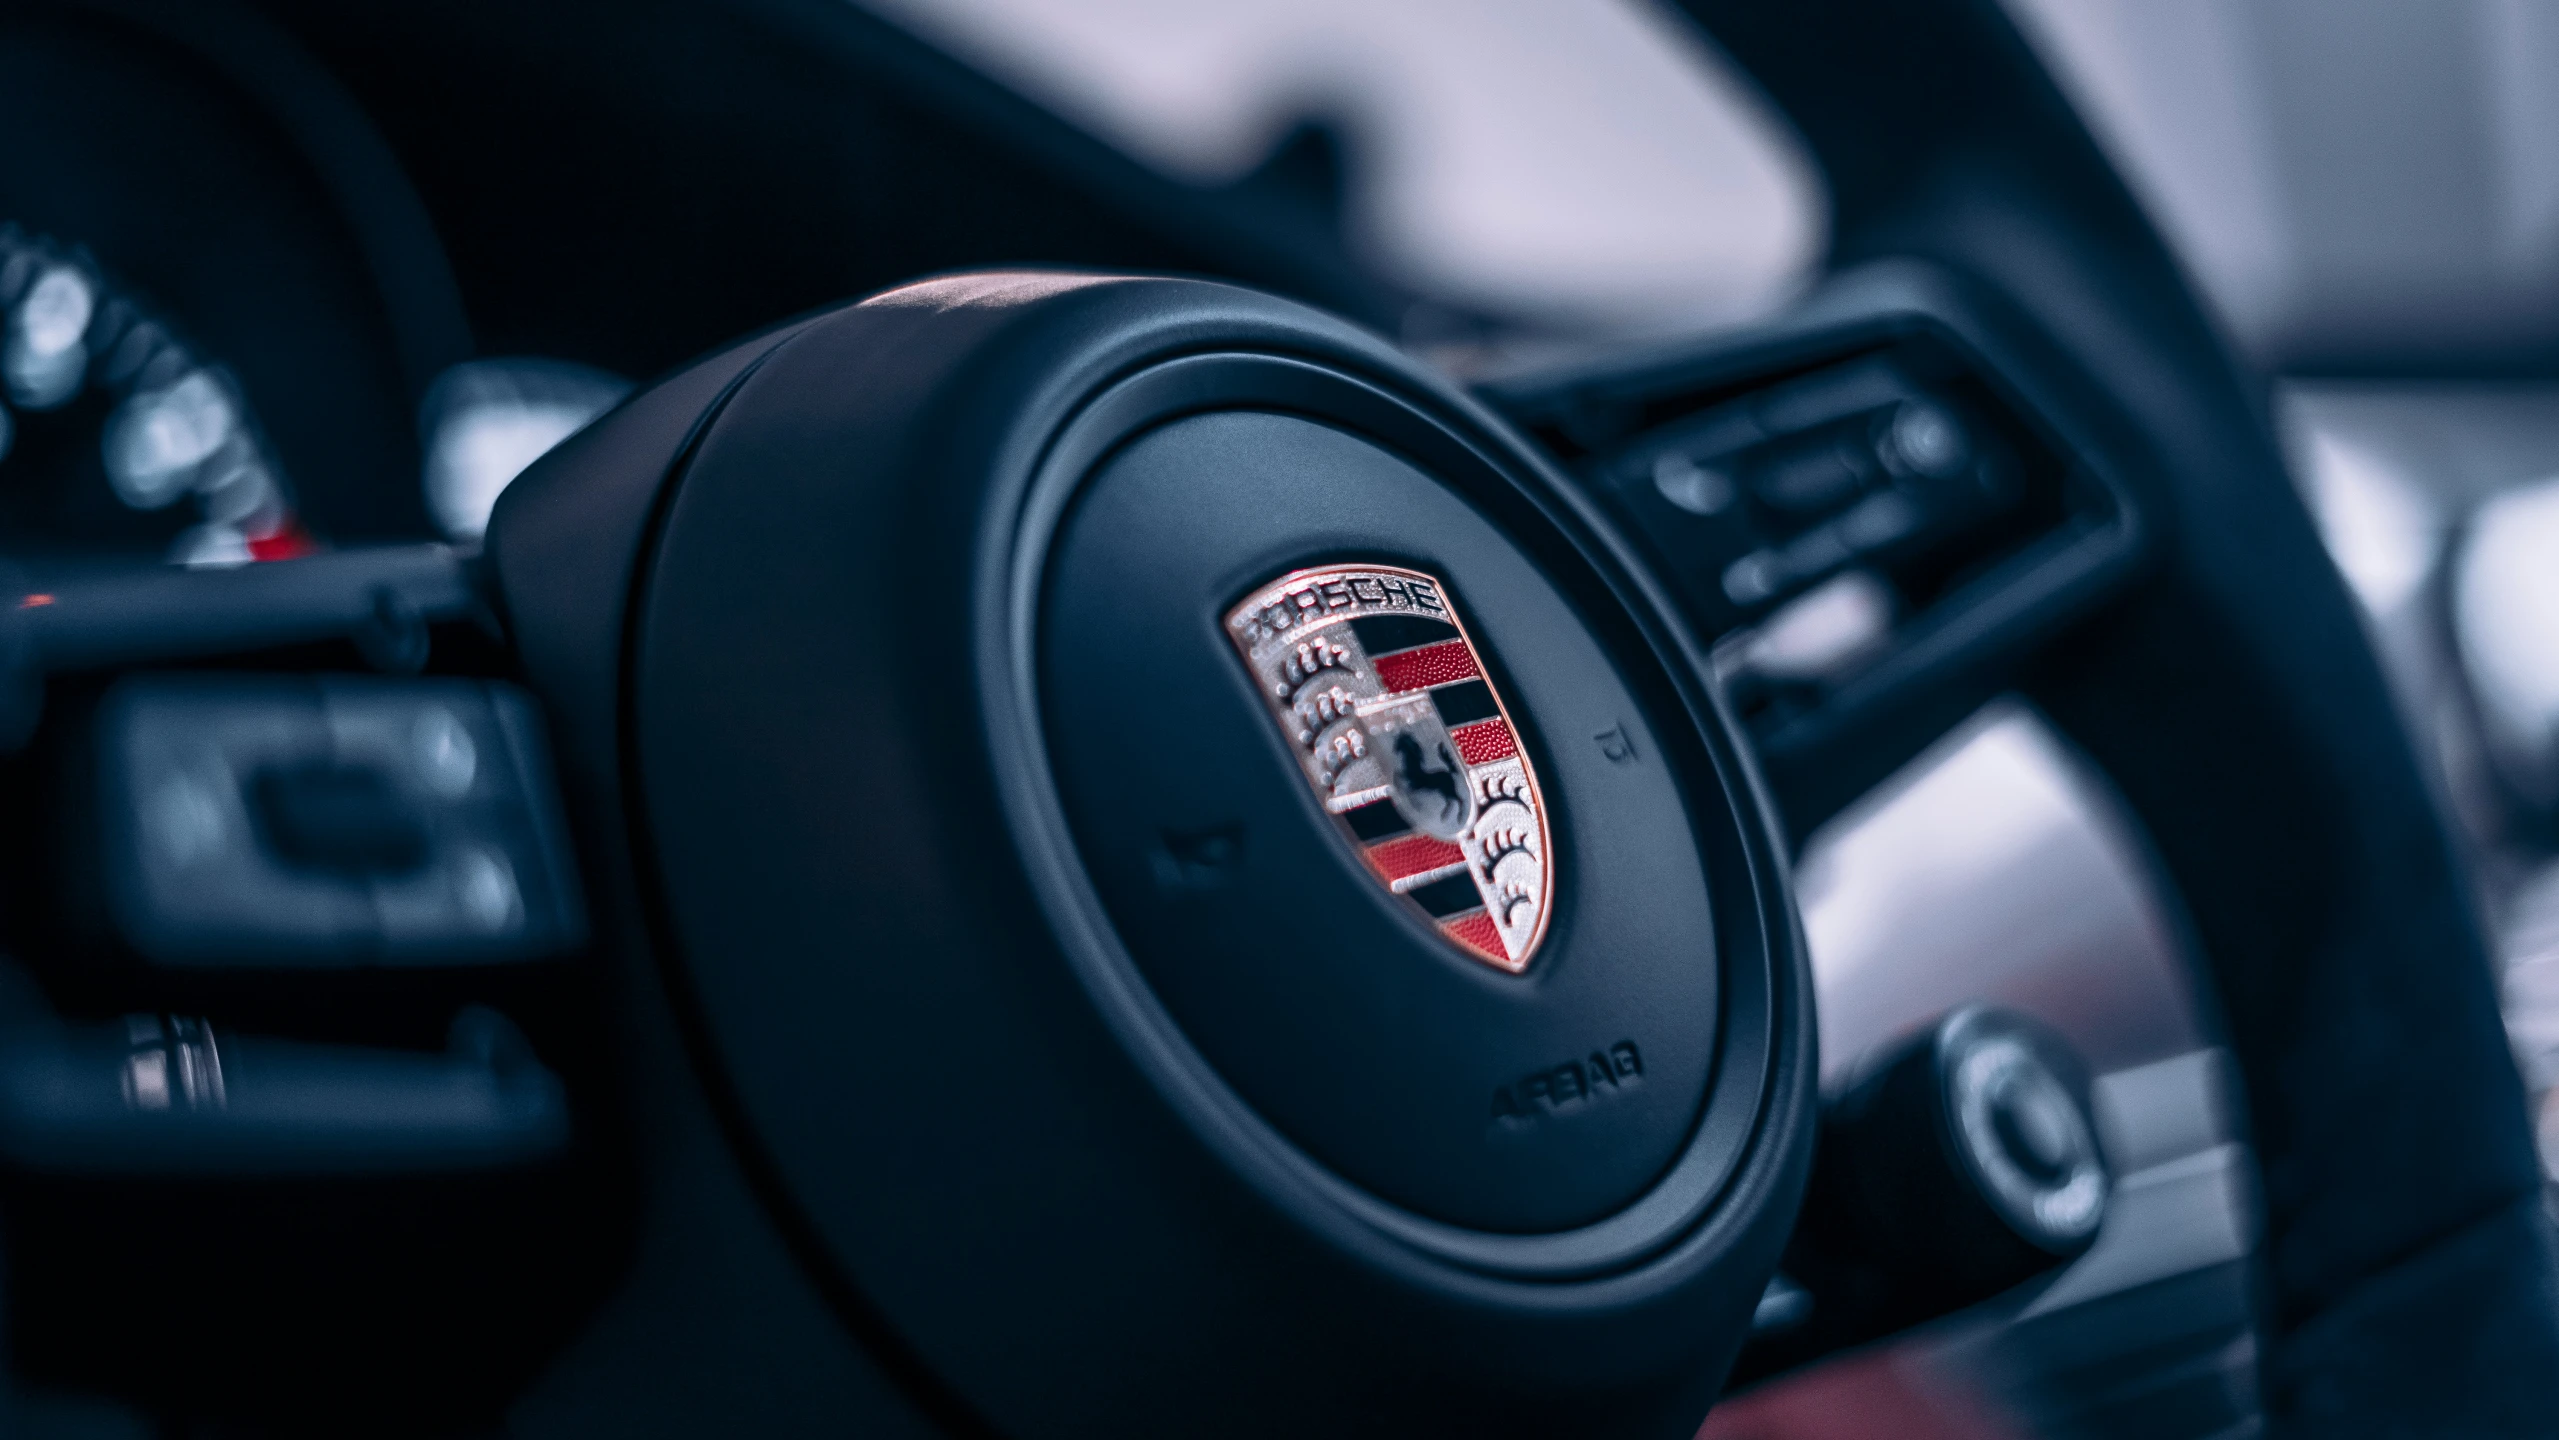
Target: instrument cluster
228,330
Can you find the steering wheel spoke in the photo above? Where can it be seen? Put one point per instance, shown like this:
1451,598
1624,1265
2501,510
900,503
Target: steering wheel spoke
1881,508
259,1018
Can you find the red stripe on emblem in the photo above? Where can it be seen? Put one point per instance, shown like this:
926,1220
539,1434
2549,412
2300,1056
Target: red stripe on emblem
1430,665
1476,931
1413,855
1484,742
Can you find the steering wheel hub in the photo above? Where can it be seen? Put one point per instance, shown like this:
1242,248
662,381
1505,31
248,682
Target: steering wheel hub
1138,782
1348,969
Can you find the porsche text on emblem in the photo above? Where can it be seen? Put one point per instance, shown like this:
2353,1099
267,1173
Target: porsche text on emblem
1372,678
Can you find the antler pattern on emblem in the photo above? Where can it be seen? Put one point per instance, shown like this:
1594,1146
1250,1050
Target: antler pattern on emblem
1312,658
1341,752
1316,714
1500,789
1500,845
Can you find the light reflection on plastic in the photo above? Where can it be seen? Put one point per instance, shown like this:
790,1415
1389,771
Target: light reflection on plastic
486,420
2380,529
2505,607
1995,867
43,359
1820,634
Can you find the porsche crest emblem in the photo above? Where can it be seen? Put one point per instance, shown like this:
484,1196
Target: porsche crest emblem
1371,676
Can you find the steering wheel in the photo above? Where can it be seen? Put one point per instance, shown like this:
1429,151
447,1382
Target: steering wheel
905,663
1161,868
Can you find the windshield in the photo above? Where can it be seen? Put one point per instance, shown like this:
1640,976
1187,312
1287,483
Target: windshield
1568,167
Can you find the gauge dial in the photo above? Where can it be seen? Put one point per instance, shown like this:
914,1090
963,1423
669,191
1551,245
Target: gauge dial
220,301
108,407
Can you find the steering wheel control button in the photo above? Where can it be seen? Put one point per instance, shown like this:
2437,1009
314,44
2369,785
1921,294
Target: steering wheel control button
345,818
447,760
288,822
1963,1163
1369,673
1926,439
2027,1141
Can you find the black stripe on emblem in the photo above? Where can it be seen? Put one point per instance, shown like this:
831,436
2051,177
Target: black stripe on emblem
1464,703
1443,898
1384,634
1377,820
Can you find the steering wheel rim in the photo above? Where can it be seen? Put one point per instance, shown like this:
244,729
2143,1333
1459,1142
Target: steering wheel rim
2228,694
2232,698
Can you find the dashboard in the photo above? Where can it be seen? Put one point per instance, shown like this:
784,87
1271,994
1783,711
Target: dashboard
215,356
298,279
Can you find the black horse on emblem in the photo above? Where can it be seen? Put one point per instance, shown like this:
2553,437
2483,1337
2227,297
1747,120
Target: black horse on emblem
1430,786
